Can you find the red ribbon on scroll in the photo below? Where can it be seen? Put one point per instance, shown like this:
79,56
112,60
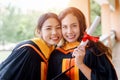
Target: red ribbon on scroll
88,37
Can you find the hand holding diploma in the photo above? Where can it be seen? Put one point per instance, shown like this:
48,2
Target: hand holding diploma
79,52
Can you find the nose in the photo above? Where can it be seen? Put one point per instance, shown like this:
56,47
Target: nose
69,30
54,31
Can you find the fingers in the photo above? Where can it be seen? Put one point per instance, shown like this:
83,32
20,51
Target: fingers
79,51
82,48
74,52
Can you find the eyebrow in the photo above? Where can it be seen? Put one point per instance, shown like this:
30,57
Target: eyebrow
74,23
51,25
70,24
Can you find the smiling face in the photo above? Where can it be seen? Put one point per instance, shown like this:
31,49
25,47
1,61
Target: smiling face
70,28
51,31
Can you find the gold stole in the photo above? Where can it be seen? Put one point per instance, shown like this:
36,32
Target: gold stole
46,51
73,73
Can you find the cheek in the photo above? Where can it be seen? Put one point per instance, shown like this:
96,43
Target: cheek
44,34
59,31
78,34
77,30
60,34
63,31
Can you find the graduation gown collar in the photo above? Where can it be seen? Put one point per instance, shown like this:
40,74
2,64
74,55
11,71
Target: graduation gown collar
43,46
70,45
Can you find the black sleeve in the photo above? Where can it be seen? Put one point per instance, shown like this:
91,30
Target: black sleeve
104,69
22,64
101,66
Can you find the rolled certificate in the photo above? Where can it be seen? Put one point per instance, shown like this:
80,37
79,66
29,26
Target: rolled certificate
91,30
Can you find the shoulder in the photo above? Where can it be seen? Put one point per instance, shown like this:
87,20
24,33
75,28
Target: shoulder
23,43
56,51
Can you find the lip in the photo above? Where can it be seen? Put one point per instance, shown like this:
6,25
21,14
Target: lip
55,38
71,37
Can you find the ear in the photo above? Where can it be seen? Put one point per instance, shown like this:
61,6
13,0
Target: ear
39,33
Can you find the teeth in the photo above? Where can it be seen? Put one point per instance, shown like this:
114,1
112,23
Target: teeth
54,38
71,36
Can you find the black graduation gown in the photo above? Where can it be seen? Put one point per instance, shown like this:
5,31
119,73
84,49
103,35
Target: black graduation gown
23,63
102,68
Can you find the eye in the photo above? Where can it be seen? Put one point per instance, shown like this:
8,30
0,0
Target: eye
74,25
64,27
47,28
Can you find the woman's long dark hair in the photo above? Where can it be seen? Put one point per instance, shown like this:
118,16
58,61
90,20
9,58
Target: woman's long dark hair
100,47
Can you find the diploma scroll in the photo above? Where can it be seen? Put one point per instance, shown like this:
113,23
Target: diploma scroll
91,30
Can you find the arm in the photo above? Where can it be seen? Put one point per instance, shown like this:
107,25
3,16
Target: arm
85,70
95,67
79,54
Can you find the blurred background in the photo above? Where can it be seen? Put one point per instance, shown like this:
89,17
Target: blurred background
18,20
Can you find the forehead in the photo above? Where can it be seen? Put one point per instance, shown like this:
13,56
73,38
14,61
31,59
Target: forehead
69,18
51,22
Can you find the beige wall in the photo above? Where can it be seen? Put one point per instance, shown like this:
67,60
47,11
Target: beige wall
105,18
110,18
84,6
115,19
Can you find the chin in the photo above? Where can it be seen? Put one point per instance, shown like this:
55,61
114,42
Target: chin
54,44
71,41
